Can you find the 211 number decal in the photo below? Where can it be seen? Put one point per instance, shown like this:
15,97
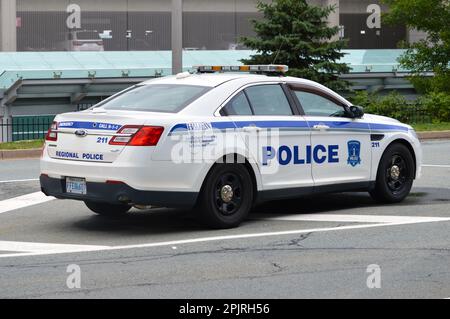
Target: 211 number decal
102,140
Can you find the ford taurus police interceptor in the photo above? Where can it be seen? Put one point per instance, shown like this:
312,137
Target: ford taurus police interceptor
222,141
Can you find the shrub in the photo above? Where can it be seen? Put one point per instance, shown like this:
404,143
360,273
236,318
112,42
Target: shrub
437,104
393,105
433,107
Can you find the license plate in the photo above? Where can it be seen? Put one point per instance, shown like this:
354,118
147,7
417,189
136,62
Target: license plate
76,186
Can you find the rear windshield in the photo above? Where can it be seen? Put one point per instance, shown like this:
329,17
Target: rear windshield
156,98
88,35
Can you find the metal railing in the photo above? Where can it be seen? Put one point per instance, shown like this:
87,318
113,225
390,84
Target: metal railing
418,115
24,128
34,128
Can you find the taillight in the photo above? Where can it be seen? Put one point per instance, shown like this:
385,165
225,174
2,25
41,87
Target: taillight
147,136
52,135
138,136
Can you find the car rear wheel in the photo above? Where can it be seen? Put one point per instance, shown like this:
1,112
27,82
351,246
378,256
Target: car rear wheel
395,175
226,197
105,209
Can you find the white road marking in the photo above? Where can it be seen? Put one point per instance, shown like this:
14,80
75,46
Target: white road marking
229,237
23,201
441,166
20,181
356,218
44,247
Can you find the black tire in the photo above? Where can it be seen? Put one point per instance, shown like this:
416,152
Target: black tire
105,209
219,208
395,175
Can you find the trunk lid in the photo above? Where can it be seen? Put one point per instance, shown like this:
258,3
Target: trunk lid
85,136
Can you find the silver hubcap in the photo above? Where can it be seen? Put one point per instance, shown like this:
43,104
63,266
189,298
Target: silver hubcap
395,172
226,193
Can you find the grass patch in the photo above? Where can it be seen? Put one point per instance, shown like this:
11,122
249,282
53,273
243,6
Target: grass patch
22,145
445,126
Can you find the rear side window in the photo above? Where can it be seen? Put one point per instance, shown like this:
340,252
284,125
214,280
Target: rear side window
238,106
156,98
268,100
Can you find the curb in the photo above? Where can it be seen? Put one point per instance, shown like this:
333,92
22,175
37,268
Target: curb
20,154
433,135
36,152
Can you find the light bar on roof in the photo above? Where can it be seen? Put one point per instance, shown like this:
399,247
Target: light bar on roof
267,68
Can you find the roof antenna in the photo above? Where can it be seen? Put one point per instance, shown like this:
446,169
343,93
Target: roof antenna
278,51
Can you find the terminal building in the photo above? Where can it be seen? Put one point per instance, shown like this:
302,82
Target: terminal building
129,25
43,70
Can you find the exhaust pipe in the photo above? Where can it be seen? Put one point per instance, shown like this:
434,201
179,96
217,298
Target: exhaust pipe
143,207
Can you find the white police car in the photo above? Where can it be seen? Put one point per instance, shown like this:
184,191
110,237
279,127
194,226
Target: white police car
222,141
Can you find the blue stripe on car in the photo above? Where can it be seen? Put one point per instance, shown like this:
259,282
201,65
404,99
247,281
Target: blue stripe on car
89,125
388,127
299,124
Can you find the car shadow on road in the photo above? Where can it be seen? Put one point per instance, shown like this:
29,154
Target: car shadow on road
137,222
329,203
164,221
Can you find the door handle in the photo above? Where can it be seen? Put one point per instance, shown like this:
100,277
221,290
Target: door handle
321,127
251,129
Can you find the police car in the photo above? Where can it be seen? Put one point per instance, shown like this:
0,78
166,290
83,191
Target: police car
222,139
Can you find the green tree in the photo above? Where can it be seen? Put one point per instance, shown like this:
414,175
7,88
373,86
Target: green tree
297,34
432,53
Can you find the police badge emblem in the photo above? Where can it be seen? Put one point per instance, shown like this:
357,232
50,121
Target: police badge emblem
354,150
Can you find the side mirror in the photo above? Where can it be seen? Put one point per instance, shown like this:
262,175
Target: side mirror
356,112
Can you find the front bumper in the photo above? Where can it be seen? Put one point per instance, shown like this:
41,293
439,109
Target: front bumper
118,194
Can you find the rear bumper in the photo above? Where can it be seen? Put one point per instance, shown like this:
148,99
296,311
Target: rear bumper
118,194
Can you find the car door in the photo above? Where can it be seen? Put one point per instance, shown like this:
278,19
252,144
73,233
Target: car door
275,135
341,148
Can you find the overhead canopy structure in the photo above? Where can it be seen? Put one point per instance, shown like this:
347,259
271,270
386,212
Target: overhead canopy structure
33,83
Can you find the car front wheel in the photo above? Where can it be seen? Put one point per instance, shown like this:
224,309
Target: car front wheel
226,197
395,175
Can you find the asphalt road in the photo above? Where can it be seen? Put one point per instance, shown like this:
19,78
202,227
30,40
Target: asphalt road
311,247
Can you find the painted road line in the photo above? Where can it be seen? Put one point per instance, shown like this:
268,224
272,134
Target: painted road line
355,218
439,166
231,237
23,201
19,181
44,247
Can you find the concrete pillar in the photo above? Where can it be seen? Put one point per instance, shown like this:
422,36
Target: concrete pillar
177,36
8,28
415,36
6,127
333,18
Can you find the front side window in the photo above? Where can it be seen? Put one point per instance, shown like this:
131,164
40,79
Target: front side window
166,98
268,100
317,105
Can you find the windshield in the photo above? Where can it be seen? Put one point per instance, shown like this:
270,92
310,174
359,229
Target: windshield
167,98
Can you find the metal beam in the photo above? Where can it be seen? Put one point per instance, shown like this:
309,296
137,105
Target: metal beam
177,36
85,81
7,98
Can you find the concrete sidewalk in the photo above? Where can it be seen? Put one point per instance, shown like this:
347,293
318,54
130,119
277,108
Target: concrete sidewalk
20,154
